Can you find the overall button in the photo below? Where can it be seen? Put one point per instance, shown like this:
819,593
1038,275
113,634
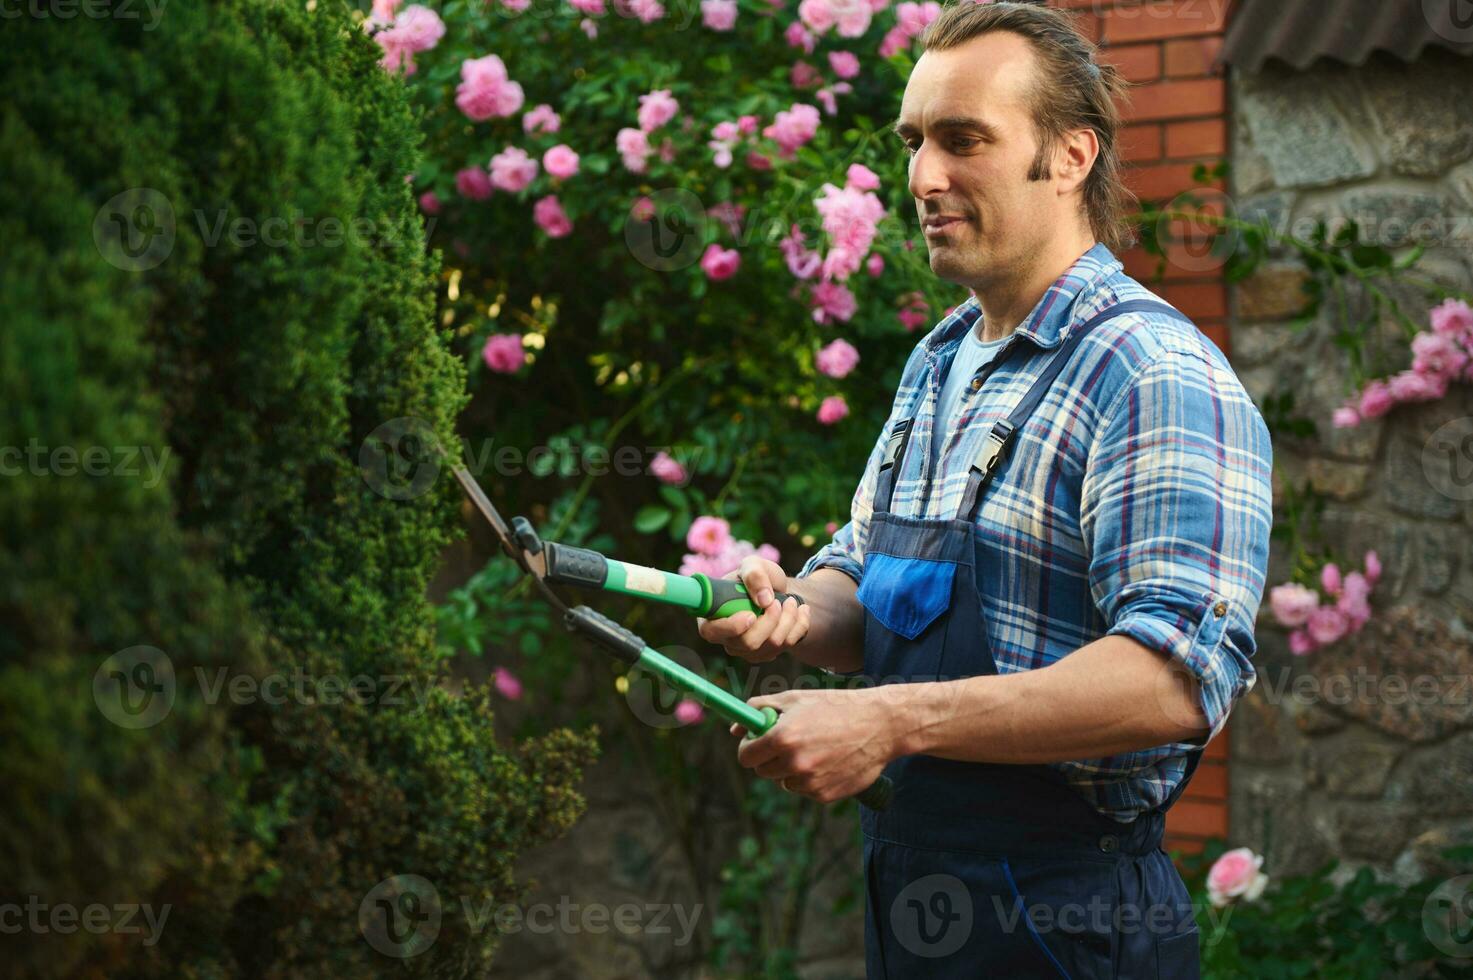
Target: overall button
1219,610
976,384
1108,843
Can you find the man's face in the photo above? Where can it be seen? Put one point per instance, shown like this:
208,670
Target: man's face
968,128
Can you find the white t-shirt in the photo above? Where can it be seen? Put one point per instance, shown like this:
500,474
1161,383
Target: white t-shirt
971,357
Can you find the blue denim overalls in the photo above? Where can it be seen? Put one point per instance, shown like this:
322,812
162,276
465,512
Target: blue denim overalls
989,870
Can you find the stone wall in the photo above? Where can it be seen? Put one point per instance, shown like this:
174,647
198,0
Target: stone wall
1363,751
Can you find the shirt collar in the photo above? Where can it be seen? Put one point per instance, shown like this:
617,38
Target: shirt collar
1049,323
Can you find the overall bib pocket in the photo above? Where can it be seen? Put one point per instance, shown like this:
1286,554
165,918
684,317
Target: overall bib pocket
906,595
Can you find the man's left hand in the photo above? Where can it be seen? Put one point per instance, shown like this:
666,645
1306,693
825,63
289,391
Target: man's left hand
826,745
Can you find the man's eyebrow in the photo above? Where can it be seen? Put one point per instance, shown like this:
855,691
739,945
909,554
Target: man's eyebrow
901,128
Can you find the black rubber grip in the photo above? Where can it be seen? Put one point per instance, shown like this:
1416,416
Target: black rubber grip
567,565
723,590
608,634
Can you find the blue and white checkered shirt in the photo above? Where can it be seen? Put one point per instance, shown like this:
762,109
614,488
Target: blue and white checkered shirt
1136,500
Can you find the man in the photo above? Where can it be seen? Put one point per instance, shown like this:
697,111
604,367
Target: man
1054,559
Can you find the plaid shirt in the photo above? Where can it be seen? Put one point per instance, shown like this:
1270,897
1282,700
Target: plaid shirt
1135,501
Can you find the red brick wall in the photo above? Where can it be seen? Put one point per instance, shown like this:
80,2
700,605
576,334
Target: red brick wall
1177,118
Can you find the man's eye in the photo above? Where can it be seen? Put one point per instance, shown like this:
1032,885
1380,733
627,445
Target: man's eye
963,143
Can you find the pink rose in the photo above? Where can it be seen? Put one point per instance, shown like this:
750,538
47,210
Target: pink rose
708,536
860,178
758,161
485,90
720,263
1292,603
1330,578
1414,386
1345,418
1300,643
719,15
832,410
656,109
831,527
541,119
1326,625
550,217
1438,354
874,265
560,161
791,128
473,183
507,684
1236,874
845,64
503,353
665,469
799,36
804,75
1454,319
837,359
512,169
634,147
1376,400
689,712
1373,567
833,301
769,552
429,203
415,30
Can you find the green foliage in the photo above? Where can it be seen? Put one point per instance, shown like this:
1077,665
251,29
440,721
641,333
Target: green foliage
256,370
1323,924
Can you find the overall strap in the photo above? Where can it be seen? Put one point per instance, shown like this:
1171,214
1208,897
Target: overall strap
994,448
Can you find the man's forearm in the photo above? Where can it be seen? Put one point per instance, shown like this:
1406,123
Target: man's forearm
835,636
1113,695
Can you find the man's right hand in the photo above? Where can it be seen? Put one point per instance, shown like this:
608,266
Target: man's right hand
758,639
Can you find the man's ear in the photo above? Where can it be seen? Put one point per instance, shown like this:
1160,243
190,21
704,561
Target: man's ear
1075,157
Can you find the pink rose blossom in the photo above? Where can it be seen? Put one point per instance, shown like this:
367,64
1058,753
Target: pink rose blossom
1439,354
503,353
874,265
1292,603
860,178
893,42
512,169
1454,320
1330,578
1355,601
831,527
799,36
793,127
656,109
1373,567
1376,400
665,469
719,15
1345,418
1236,874
1326,625
758,161
1300,643
541,119
804,75
769,552
551,218
473,183
643,209
1414,386
560,161
648,11
589,28
844,63
592,7
689,712
708,536
485,90
383,11
507,684
832,410
634,147
802,262
415,30
429,203
720,263
837,359
833,301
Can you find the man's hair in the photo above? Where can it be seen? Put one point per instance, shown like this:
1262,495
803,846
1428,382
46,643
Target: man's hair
1071,91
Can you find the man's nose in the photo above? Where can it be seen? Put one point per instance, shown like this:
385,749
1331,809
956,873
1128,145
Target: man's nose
928,172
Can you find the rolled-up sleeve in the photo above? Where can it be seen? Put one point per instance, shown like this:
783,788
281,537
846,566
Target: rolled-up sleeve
1176,510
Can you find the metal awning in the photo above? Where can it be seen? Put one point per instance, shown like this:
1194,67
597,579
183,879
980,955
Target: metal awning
1299,32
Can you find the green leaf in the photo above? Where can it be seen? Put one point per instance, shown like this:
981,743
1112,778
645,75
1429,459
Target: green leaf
650,519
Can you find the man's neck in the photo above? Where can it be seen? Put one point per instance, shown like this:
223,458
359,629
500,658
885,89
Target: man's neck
1005,305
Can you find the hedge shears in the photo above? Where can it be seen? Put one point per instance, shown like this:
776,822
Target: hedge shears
548,563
